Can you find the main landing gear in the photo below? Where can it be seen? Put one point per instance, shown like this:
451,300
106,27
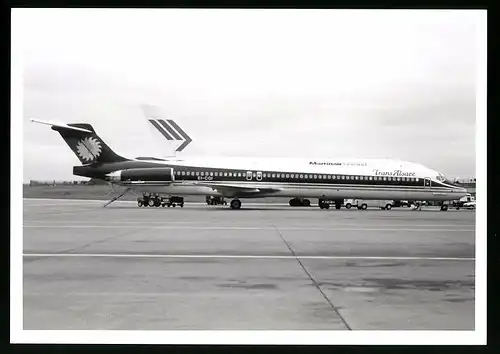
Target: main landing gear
444,206
235,204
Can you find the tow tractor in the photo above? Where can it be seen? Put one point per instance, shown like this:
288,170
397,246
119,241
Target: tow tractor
156,201
299,202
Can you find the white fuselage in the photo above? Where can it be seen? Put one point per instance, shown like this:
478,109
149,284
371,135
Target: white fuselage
311,178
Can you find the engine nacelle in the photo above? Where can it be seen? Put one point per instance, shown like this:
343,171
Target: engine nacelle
157,174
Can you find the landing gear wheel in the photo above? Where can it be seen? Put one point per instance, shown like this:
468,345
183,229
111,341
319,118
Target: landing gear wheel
348,206
444,207
235,204
364,206
388,207
139,203
151,202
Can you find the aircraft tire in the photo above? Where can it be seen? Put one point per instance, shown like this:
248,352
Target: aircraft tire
444,207
388,207
139,203
348,206
364,206
235,204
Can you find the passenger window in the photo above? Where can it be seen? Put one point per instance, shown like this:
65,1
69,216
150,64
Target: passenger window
273,175
239,174
183,173
416,179
216,174
301,176
287,175
211,173
230,174
197,173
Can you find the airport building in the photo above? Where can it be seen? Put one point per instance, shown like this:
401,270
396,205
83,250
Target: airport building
469,184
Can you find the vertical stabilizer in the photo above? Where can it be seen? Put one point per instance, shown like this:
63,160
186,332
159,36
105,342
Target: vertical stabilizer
168,135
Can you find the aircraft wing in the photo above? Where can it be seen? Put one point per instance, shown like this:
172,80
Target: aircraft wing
240,190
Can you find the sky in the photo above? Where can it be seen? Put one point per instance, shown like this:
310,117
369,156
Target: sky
254,83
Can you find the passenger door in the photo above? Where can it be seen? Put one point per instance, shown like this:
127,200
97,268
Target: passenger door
249,175
259,176
427,182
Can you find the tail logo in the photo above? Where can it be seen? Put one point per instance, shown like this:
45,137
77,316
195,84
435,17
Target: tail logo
171,131
89,149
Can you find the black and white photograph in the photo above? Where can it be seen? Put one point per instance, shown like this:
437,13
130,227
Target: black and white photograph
248,176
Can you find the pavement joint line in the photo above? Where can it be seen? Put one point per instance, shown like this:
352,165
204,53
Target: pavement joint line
97,242
335,309
152,255
73,226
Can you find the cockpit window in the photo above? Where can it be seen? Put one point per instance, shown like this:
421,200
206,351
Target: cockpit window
440,177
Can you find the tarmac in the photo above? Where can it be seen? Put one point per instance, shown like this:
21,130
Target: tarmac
263,267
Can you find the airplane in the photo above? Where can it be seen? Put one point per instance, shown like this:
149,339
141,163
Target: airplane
239,178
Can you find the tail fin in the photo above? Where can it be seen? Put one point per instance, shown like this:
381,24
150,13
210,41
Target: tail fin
165,131
85,143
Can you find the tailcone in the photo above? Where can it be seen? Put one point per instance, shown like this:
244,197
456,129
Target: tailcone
86,171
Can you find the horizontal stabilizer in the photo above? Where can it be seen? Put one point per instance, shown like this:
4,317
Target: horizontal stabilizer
61,125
